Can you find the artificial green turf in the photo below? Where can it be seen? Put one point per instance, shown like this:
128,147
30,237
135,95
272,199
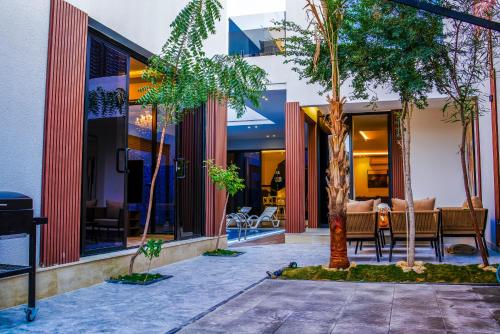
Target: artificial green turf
137,278
435,273
222,252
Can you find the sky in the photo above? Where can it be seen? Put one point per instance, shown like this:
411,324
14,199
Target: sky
249,7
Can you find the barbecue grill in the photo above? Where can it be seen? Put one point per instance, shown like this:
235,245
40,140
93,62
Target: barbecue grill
16,220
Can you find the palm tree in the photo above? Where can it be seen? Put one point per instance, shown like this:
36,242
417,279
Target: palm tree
315,52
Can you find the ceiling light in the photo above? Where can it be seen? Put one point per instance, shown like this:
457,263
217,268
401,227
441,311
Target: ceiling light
369,153
274,136
249,127
363,134
267,136
256,126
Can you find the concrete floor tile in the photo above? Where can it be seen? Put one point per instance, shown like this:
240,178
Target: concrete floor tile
309,327
403,321
356,328
471,325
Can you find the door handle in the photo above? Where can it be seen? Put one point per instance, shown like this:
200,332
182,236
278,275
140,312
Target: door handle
118,153
180,168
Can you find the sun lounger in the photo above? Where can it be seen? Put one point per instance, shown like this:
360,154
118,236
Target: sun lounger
268,215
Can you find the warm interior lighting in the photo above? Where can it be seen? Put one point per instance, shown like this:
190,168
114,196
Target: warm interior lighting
369,153
136,74
273,151
312,112
363,134
144,121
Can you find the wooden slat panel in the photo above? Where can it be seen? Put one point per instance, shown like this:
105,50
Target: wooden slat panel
64,111
216,149
189,199
398,186
312,181
295,168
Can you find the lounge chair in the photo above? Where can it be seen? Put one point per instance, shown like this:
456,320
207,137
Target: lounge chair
239,220
426,229
245,210
268,215
456,222
362,226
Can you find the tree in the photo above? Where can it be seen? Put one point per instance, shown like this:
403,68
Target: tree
224,179
391,45
182,78
314,52
458,72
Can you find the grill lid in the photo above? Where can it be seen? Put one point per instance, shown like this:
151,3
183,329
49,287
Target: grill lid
14,201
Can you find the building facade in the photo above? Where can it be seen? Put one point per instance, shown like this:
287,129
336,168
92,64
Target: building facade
75,140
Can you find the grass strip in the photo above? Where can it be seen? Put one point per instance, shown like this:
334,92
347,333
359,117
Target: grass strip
434,273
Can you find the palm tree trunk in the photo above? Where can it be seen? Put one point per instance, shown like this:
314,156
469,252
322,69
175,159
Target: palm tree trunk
221,222
151,197
473,216
405,130
337,186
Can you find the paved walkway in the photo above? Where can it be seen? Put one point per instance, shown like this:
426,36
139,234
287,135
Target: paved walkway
198,285
285,307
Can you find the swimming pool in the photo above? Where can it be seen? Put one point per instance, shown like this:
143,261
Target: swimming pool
253,233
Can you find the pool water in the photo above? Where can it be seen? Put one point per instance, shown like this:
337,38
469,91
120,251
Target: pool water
255,233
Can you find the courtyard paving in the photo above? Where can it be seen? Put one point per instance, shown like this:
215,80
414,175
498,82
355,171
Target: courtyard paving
204,284
282,307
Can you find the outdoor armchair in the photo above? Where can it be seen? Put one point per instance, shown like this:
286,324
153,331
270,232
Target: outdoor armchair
268,215
457,222
426,228
362,226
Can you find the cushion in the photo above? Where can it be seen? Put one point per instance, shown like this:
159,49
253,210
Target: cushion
476,203
360,206
376,202
425,204
92,203
113,209
398,204
418,204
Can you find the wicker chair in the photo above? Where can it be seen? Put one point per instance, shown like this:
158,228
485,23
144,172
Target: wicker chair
426,229
362,226
456,222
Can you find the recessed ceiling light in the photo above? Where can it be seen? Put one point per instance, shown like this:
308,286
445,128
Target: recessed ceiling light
363,134
267,136
249,127
274,136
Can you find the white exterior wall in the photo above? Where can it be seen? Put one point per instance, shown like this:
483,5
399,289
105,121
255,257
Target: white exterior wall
435,160
487,171
147,23
24,26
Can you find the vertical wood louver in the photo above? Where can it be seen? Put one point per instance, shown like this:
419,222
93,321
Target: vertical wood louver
216,150
295,168
63,134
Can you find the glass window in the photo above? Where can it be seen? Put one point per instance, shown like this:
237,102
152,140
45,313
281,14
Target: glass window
256,35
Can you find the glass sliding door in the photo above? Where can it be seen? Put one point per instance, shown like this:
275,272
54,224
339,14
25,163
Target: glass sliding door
165,186
105,160
370,157
144,135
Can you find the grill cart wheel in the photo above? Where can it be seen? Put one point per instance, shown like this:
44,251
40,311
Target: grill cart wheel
31,313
